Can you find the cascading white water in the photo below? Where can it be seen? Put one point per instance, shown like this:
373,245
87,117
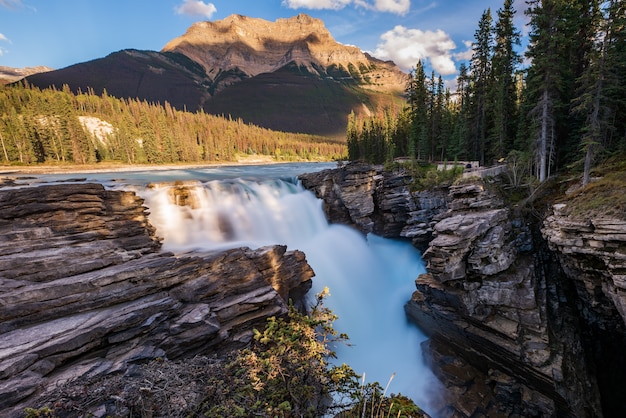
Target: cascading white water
369,280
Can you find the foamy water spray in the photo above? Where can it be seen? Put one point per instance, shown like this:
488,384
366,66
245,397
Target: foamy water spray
369,280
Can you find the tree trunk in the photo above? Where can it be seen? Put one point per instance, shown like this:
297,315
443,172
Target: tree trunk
544,138
4,149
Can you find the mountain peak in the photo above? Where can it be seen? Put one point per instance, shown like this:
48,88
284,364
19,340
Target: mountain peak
252,46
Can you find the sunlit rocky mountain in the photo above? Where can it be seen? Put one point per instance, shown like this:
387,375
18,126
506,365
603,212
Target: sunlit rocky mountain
11,75
288,75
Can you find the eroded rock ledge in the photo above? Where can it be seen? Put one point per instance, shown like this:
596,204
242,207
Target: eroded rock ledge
378,201
86,290
525,317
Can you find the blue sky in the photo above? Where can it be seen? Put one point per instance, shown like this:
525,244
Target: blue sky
59,33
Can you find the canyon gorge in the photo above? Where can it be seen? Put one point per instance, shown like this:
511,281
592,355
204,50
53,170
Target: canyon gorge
522,302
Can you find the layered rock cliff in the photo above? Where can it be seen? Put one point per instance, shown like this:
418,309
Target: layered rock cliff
524,312
377,201
592,252
86,290
239,47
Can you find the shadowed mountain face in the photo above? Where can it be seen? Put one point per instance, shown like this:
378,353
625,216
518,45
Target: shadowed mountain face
288,75
153,76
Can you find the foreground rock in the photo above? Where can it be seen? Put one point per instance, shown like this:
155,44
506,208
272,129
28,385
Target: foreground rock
87,292
525,317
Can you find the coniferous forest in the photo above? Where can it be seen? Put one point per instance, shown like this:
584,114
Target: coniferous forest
560,105
49,126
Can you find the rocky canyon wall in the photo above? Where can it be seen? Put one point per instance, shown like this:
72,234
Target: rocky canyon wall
87,292
525,310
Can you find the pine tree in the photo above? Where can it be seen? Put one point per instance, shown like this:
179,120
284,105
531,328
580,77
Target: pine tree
480,81
503,89
417,96
615,67
459,145
544,79
592,94
352,138
598,82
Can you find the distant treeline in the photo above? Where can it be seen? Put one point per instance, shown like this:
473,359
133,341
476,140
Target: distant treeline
566,107
51,126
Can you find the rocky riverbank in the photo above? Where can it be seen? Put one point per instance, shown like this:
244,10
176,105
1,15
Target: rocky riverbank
87,291
524,309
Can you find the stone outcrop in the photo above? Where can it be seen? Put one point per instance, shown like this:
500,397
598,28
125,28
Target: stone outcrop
486,298
592,252
525,316
378,201
86,290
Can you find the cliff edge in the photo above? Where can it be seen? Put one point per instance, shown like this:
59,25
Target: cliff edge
524,308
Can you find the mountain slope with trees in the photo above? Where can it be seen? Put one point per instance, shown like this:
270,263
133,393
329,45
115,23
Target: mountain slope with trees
52,126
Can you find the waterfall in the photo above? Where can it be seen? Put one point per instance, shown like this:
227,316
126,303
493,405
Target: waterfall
370,278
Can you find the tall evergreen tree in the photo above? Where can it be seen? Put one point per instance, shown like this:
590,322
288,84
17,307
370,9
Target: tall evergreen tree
597,101
417,95
459,144
480,66
544,81
503,89
591,98
559,44
615,67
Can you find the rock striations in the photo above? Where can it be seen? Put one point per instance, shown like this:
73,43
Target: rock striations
525,314
592,253
86,290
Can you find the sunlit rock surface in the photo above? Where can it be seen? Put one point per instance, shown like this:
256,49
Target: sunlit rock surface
238,47
87,292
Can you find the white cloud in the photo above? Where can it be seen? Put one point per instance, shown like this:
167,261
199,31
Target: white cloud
465,55
407,46
316,4
392,6
195,8
3,38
